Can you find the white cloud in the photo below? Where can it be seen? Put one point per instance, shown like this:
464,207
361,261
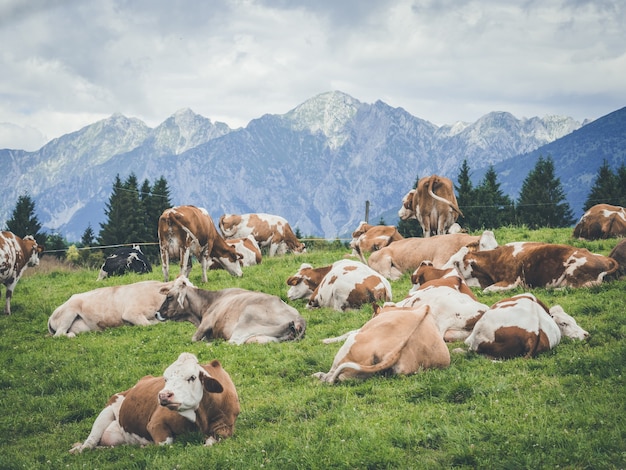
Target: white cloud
73,62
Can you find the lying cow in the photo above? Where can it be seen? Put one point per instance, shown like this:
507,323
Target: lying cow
270,231
125,260
368,238
248,248
427,275
343,285
406,255
531,264
16,254
188,398
601,221
236,315
396,340
618,253
108,307
521,326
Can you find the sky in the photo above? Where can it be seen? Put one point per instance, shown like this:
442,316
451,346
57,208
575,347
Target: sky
65,64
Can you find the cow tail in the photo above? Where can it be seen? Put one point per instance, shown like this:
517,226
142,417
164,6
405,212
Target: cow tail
388,360
453,206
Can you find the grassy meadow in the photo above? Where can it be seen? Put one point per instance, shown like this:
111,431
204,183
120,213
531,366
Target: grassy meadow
564,409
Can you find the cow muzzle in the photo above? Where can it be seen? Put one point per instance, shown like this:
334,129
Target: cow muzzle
159,317
165,399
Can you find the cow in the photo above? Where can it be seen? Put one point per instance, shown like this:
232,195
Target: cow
236,315
108,307
16,254
124,260
368,238
427,275
187,230
189,397
272,232
345,284
454,312
531,264
618,253
247,247
433,204
601,221
398,340
406,255
521,326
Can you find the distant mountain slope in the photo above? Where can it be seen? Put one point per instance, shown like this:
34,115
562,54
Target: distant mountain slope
316,165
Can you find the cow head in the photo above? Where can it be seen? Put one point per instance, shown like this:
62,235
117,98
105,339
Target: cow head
407,211
487,241
301,284
567,324
32,250
173,307
185,383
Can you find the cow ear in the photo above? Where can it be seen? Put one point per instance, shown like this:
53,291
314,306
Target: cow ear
211,384
377,308
292,281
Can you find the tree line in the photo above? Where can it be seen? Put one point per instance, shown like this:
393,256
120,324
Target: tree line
132,211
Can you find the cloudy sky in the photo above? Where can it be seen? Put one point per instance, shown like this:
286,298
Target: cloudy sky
65,64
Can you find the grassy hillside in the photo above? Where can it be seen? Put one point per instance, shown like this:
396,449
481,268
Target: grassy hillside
564,409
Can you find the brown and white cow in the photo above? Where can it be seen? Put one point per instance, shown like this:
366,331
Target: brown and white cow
248,248
16,254
427,275
270,231
454,312
433,204
532,264
190,397
618,253
236,315
521,326
398,340
602,221
188,230
345,284
368,238
108,307
406,255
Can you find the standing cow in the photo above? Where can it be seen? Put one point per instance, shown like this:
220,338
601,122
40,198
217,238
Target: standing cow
190,397
187,230
270,231
16,254
433,204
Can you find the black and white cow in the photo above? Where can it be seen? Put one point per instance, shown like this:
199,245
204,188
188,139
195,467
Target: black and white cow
124,260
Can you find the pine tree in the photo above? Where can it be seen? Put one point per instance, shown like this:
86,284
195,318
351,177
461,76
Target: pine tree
496,208
465,197
112,232
541,200
606,188
23,220
157,201
621,177
88,237
410,227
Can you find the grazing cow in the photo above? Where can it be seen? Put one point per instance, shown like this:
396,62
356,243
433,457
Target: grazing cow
343,285
237,315
433,204
187,230
108,307
406,255
521,326
368,238
16,254
270,231
531,264
602,221
454,312
190,397
248,248
123,260
618,253
398,340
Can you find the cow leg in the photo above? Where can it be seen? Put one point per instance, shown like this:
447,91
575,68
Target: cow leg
7,304
100,426
185,262
502,286
165,264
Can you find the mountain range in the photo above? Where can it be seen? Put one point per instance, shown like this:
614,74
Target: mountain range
316,165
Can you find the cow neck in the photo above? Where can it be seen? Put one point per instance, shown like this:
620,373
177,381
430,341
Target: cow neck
203,299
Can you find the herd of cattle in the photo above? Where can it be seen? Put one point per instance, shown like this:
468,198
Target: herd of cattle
402,337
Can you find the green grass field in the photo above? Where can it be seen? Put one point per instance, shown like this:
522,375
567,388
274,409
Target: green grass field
564,409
